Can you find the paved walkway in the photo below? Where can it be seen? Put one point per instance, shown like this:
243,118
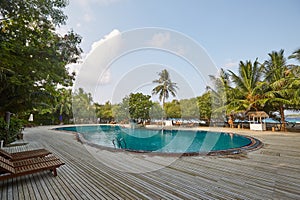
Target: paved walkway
273,172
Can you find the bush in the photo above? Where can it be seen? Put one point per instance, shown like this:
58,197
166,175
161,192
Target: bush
10,135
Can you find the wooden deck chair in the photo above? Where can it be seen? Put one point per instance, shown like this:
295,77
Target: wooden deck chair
24,154
30,161
9,169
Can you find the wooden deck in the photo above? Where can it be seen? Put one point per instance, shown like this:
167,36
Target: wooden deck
273,172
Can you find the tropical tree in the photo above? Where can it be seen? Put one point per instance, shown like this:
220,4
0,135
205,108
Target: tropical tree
33,54
156,111
296,55
280,84
204,104
83,107
173,109
189,108
104,112
247,94
219,94
165,86
139,106
121,111
64,104
296,83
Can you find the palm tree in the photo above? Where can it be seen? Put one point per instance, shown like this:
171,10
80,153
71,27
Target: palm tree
247,92
280,82
64,103
296,55
220,93
165,86
296,83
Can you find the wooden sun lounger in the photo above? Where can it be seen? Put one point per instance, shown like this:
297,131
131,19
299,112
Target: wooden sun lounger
9,169
24,154
20,163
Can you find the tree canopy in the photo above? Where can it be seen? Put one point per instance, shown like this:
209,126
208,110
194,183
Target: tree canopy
84,110
165,86
33,55
139,106
33,59
279,84
247,91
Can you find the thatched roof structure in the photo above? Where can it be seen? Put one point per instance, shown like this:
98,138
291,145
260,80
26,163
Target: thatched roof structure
257,114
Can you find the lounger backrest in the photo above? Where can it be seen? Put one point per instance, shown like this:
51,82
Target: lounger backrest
5,165
5,154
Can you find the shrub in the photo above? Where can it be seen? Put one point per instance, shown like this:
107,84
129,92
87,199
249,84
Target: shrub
10,135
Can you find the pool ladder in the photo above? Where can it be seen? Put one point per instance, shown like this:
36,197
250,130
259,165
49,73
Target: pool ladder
120,143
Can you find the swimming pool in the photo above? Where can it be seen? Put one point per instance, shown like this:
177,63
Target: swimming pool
187,142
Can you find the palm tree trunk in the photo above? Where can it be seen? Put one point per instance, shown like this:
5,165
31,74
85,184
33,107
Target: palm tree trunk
163,106
281,111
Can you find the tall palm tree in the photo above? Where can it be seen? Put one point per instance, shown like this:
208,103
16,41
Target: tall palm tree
280,83
295,85
296,73
220,92
165,86
247,91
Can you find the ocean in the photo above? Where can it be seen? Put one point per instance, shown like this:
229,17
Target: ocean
293,119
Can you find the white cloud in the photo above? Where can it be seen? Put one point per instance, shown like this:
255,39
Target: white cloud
105,78
160,39
93,70
164,40
112,34
231,64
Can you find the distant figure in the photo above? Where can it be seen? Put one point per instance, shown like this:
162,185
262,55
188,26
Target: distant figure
230,122
60,119
30,118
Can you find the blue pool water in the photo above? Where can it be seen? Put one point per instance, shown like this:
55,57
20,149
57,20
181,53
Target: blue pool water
166,141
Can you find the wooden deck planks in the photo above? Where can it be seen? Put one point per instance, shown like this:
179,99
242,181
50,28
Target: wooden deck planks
269,173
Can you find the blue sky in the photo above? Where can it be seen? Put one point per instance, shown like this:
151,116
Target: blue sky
229,30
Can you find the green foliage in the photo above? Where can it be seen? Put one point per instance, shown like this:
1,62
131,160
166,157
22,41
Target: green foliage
135,106
33,55
215,102
295,55
281,84
204,105
189,108
247,92
9,133
64,104
165,86
121,111
139,106
172,109
83,107
104,112
272,87
156,111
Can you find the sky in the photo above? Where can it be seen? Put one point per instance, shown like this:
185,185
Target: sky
224,32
